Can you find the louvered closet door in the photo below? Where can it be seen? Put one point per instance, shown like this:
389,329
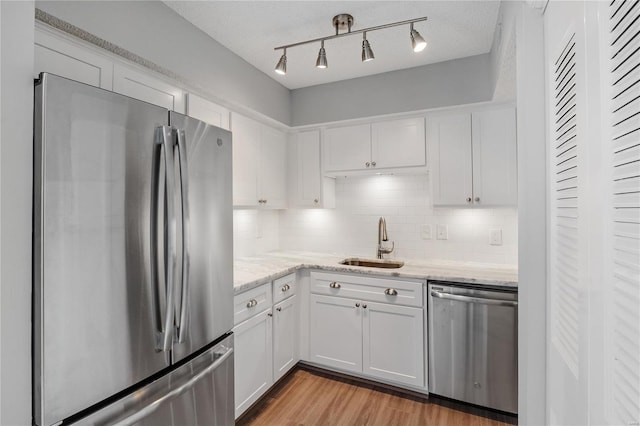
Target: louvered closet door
568,357
621,77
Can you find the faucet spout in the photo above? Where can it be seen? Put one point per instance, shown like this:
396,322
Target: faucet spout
382,236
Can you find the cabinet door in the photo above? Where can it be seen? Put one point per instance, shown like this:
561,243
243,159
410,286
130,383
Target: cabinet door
495,180
143,86
253,362
207,111
306,177
347,148
272,182
246,151
398,143
285,332
450,142
56,55
335,332
393,343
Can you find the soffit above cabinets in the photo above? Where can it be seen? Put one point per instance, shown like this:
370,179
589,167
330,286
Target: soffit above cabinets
251,29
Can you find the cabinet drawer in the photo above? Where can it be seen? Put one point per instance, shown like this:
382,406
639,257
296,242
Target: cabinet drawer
284,287
367,288
249,303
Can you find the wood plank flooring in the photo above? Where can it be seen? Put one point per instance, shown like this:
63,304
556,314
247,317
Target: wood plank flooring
309,397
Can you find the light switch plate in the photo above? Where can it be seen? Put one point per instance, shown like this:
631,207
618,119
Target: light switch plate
425,232
496,237
442,232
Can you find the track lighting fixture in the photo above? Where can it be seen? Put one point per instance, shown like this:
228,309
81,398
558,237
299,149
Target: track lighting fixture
281,67
345,21
321,62
417,42
367,53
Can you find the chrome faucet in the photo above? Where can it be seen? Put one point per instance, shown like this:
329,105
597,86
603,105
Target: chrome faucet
382,236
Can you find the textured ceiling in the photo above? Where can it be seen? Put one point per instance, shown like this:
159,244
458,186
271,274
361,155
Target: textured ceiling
252,29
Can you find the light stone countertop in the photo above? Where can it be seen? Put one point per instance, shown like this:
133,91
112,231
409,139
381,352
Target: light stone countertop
251,272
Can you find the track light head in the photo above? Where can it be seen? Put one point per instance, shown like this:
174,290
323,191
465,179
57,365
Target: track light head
321,62
281,66
417,42
367,52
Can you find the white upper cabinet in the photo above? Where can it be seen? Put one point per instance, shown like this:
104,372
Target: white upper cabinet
58,55
398,143
347,148
474,158
307,186
207,111
141,85
495,174
394,144
259,164
451,168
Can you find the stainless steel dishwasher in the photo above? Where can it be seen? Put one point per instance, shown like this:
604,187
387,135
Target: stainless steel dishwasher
473,341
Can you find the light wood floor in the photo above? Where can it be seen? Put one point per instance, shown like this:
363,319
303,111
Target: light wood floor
308,397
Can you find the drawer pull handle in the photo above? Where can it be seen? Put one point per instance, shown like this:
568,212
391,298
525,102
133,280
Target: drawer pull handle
252,303
285,288
391,292
270,314
334,285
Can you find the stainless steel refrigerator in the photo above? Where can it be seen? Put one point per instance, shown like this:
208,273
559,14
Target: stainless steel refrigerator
132,274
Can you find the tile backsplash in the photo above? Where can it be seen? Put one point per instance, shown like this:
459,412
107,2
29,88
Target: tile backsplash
352,227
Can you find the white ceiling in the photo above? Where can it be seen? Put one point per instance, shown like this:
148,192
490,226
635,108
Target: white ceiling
252,29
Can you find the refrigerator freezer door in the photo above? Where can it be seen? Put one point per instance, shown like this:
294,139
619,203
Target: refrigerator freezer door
95,328
199,393
207,312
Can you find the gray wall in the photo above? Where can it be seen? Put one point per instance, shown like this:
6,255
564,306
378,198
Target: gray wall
455,82
16,122
152,30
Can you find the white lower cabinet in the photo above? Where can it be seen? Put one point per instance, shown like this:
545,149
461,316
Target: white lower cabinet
253,362
266,339
336,332
378,340
392,343
285,343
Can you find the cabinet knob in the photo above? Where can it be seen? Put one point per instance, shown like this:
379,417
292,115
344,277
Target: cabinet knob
477,199
278,309
373,163
316,201
264,201
367,164
270,314
364,306
468,199
391,292
357,305
334,285
252,303
260,201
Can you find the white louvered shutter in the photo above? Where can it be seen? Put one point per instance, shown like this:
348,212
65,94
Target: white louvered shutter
621,75
567,195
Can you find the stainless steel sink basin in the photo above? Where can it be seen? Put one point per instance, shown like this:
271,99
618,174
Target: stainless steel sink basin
373,263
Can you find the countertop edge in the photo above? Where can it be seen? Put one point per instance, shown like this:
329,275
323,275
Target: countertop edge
238,289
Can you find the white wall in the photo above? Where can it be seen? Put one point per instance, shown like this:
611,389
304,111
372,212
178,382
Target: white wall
456,82
255,232
16,116
152,30
405,202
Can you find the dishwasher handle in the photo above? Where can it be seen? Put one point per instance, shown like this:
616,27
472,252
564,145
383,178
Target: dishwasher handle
471,299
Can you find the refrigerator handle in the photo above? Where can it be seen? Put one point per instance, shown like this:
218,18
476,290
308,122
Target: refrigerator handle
163,142
150,408
183,325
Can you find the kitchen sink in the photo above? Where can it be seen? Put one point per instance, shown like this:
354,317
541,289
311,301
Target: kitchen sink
373,263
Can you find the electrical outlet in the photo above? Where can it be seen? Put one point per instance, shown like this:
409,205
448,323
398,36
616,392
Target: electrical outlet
425,232
496,237
442,232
